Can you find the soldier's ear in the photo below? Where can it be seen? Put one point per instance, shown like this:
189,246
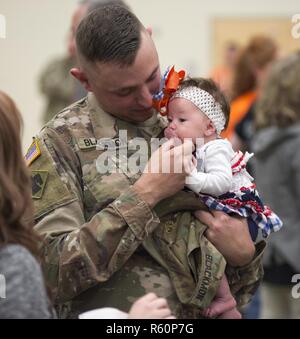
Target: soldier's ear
81,77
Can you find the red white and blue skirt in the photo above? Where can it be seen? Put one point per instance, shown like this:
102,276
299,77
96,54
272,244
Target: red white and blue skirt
245,201
248,205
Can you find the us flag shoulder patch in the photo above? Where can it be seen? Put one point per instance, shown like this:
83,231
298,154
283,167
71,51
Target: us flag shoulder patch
33,152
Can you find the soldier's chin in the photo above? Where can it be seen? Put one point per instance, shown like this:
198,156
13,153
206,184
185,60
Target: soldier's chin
143,114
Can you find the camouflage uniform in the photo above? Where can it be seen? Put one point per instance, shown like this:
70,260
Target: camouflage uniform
94,225
59,87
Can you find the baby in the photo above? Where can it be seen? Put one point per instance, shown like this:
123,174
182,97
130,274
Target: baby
198,110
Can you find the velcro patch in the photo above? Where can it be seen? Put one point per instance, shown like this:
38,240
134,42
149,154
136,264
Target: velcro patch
39,180
33,152
49,190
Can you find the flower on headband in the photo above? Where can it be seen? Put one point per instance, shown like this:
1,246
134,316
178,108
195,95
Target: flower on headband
169,85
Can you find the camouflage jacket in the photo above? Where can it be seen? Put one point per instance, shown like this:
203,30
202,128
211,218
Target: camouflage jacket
94,224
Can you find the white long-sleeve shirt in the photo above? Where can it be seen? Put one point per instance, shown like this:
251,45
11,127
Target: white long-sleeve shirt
213,174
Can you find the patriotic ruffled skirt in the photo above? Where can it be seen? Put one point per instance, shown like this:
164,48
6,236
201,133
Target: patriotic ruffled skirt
248,204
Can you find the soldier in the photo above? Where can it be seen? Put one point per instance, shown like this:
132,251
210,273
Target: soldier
94,223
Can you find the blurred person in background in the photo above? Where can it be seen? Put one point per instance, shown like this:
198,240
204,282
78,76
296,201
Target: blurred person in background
26,295
56,84
252,67
277,169
222,74
251,72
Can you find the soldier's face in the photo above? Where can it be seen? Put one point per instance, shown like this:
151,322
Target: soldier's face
127,91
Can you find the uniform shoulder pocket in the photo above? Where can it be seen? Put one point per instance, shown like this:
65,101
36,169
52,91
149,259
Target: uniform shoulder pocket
49,188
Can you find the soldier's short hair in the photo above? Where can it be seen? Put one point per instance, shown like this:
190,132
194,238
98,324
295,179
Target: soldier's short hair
212,88
110,33
94,4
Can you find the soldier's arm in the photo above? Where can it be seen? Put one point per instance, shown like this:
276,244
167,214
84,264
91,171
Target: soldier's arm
231,237
245,280
79,253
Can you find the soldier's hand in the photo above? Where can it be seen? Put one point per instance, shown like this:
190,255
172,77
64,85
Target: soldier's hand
150,307
230,235
166,171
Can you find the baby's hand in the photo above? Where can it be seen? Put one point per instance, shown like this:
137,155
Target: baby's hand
150,306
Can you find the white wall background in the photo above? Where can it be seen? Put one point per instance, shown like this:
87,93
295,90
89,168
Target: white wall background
36,32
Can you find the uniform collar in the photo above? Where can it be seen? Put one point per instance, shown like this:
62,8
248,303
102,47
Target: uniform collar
104,124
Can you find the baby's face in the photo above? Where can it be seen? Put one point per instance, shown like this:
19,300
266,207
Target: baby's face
186,120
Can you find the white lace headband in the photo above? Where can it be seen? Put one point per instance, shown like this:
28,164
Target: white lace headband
206,103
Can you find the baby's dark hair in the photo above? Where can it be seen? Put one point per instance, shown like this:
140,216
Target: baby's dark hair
212,88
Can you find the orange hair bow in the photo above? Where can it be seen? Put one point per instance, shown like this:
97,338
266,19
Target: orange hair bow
169,86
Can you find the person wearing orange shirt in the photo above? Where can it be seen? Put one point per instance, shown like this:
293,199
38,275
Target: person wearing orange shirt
252,68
